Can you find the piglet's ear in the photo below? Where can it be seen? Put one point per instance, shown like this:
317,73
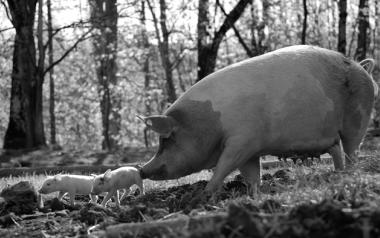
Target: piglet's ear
58,177
163,125
107,174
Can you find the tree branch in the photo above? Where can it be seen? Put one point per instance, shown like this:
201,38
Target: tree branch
241,40
7,12
155,21
231,18
82,38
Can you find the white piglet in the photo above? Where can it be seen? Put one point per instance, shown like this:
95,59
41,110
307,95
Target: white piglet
71,184
119,179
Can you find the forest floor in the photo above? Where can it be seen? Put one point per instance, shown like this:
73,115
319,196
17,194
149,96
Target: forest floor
294,201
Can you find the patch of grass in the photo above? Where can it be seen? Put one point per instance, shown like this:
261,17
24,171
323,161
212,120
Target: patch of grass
308,184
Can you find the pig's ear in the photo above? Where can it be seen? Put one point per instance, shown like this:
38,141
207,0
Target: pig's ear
163,125
58,177
107,174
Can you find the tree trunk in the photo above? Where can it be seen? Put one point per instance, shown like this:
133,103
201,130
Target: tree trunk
376,71
304,25
361,49
262,46
165,57
104,18
163,45
25,129
51,76
253,28
342,26
146,69
207,45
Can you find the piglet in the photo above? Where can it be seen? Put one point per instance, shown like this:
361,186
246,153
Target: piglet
118,179
69,183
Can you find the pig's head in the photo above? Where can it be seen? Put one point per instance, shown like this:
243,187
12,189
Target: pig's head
178,150
101,183
51,184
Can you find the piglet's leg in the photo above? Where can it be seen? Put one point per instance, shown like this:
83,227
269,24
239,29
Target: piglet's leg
141,186
126,192
117,201
61,195
94,198
108,197
72,199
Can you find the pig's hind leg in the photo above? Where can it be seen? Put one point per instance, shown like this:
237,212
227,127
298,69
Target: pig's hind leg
336,153
61,195
126,191
72,198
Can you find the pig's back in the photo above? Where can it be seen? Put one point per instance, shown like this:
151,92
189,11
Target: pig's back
125,176
291,97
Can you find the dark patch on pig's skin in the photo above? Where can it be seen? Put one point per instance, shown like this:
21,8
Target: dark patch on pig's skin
356,119
204,125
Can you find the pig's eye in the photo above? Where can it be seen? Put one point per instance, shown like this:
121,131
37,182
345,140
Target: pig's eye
48,184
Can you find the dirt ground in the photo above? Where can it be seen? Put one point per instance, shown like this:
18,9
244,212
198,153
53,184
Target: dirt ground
243,217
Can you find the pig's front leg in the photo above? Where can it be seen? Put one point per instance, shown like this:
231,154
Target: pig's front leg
94,198
108,197
117,199
251,173
61,195
231,158
126,192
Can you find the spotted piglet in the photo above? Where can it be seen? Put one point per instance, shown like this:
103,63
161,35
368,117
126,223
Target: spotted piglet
119,179
69,183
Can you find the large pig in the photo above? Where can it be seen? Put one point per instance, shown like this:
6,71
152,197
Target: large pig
299,100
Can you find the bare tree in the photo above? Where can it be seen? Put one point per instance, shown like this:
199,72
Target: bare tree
163,45
25,129
104,18
51,76
146,69
208,45
304,24
363,38
342,26
376,54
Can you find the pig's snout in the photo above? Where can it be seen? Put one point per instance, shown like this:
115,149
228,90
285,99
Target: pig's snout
142,174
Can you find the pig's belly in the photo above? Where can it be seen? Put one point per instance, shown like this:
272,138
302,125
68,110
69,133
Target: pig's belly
289,147
302,132
83,190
